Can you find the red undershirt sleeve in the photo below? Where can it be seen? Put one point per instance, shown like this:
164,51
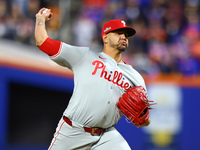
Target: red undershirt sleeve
50,47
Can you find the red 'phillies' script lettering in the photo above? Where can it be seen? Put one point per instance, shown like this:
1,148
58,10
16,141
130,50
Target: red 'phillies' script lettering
117,76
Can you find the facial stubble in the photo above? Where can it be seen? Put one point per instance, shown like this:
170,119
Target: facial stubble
118,46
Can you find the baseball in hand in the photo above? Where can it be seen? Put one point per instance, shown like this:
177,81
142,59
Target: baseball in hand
44,11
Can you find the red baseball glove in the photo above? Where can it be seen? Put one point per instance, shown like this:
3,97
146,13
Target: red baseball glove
135,105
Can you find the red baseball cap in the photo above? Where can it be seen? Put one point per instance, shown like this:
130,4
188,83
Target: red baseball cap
117,24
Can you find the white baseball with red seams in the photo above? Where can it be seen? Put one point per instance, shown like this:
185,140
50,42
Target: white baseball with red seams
88,106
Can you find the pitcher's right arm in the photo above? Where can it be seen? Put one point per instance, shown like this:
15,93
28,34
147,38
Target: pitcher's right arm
40,31
45,44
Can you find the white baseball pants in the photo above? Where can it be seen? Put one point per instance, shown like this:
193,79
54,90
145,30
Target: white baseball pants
75,138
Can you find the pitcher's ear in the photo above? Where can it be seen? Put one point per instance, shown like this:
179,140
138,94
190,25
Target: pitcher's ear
105,38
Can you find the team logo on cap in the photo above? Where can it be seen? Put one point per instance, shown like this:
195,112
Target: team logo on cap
123,23
108,28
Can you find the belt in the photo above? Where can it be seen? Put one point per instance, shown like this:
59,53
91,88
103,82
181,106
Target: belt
92,131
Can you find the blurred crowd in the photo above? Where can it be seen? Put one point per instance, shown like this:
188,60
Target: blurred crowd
167,36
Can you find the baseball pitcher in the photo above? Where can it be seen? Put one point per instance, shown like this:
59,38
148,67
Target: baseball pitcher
105,89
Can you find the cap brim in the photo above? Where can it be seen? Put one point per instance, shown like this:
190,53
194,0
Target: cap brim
130,31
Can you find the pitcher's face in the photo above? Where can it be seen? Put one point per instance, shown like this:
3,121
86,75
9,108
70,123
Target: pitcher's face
118,39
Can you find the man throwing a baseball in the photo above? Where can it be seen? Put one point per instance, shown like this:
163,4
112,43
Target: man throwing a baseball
105,88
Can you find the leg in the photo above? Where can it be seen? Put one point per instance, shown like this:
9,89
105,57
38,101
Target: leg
111,140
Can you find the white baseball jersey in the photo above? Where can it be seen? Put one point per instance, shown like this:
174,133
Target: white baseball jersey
98,83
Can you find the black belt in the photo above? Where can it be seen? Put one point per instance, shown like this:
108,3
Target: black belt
92,131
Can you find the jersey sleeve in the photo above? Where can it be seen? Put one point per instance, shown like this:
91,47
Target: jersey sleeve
68,55
50,47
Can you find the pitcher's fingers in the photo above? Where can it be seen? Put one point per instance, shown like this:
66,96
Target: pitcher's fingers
51,14
41,10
